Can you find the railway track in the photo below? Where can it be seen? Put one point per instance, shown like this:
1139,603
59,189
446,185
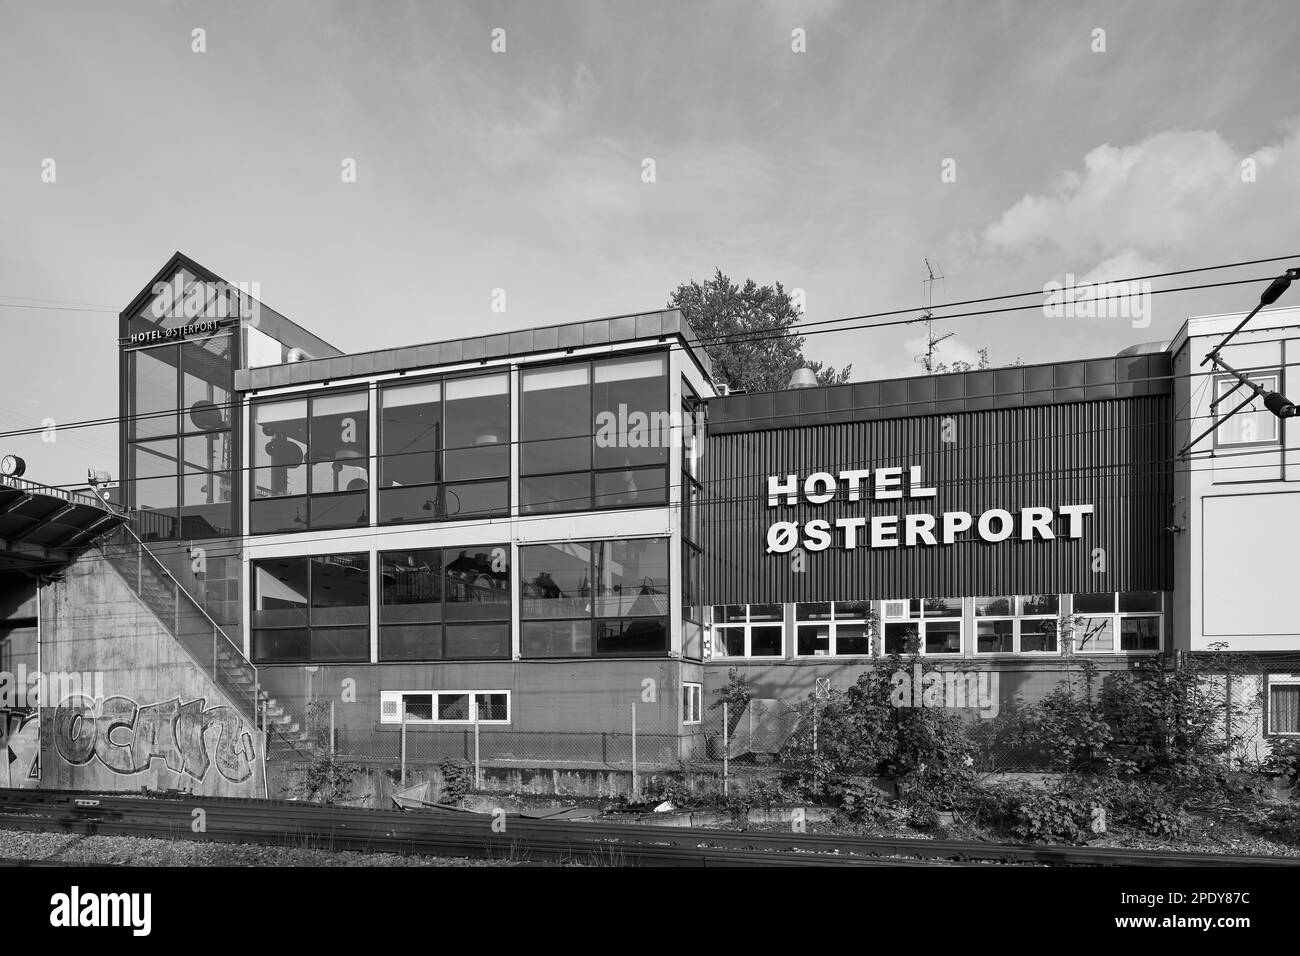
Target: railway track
530,840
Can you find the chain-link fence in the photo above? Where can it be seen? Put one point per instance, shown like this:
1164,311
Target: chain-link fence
640,751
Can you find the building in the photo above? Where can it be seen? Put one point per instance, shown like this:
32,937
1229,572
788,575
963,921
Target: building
567,531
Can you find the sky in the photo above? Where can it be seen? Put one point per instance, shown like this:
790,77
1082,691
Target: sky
829,146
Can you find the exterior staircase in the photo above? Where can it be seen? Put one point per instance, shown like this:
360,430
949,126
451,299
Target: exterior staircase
205,641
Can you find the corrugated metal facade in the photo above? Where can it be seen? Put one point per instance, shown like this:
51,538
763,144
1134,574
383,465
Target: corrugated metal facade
1113,454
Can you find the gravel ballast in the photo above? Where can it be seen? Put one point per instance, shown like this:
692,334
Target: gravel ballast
73,849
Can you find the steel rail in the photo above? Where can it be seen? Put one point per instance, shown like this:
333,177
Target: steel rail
431,832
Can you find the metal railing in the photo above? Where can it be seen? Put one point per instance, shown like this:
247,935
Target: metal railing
184,617
71,497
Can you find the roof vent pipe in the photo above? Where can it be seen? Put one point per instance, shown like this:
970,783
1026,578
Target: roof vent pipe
803,378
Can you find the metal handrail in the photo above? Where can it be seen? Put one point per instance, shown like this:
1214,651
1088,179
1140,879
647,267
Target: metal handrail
180,589
72,497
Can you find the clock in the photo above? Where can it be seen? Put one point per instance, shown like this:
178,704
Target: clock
11,466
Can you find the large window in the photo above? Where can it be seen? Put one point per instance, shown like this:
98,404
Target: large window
1017,624
692,551
1284,704
748,630
444,449
595,435
1127,622
180,456
311,609
445,604
833,628
595,598
930,625
311,462
1254,424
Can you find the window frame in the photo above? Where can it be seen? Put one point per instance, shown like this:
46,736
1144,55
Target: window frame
592,617
746,627
1116,618
692,703
921,620
1018,619
308,609
445,620
1260,377
1272,681
691,497
592,471
255,434
400,697
832,624
442,485
182,427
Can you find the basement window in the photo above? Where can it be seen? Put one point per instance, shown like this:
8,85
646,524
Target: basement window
692,703
1284,704
444,706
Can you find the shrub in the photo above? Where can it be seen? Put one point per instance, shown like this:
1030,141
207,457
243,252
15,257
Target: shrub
325,780
1283,760
457,779
1051,816
1159,815
861,732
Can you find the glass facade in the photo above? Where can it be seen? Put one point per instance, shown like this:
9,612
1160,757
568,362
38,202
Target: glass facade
445,604
311,463
311,609
594,435
180,463
444,448
594,598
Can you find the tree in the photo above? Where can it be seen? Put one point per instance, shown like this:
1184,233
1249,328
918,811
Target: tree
743,330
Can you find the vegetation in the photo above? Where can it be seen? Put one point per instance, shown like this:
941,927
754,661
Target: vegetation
745,331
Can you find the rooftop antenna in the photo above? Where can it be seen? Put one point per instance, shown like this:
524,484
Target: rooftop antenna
931,340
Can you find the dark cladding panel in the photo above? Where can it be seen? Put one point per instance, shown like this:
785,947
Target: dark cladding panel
1111,454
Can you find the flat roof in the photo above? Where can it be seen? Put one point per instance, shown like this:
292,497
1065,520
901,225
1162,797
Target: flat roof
1015,386
637,327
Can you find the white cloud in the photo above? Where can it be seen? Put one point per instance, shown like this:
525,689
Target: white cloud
1174,199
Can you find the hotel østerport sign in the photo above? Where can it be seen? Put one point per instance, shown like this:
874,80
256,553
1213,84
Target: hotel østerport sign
911,528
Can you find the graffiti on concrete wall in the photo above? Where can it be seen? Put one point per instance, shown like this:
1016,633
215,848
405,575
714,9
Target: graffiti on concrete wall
20,748
126,737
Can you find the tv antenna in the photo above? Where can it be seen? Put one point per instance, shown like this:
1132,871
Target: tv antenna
931,340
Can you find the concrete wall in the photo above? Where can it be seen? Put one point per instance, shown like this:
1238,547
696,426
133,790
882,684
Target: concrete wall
145,714
563,713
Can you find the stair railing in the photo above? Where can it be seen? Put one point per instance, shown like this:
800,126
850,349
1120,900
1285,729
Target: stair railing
218,635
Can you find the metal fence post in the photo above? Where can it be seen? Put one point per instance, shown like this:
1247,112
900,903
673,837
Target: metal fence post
331,728
636,787
139,571
403,743
726,745
478,779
